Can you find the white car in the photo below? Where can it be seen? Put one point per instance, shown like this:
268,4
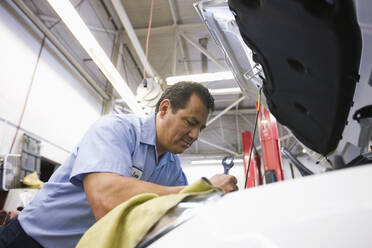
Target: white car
310,53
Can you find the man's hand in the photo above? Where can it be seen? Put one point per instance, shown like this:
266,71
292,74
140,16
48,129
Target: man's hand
13,213
226,182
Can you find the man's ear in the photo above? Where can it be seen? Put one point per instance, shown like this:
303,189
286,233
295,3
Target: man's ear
164,107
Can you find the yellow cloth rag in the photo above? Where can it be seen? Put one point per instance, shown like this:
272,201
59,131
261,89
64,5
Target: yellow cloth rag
128,223
32,181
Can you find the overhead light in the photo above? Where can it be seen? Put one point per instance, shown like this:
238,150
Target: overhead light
225,91
213,161
304,150
76,25
201,78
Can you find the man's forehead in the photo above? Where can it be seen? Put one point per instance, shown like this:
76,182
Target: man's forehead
194,109
194,99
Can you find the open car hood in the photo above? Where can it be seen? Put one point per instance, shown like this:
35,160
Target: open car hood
309,52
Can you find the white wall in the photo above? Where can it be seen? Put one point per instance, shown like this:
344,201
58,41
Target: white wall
195,172
60,108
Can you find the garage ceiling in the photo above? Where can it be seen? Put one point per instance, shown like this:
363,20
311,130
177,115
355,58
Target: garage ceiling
172,21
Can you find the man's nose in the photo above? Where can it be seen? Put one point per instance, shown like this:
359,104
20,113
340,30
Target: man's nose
194,133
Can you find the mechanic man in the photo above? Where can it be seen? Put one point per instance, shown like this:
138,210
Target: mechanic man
119,157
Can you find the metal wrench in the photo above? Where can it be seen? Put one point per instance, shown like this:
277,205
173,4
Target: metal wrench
227,166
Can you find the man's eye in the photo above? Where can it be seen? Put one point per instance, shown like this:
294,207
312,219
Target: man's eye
189,123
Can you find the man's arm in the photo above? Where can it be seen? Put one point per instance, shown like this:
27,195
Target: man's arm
107,190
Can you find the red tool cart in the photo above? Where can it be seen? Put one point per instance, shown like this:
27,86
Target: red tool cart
255,175
269,137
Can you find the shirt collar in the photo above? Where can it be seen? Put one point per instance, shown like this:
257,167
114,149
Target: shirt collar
166,157
171,156
148,130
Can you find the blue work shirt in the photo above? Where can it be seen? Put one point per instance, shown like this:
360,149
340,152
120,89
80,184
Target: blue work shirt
123,144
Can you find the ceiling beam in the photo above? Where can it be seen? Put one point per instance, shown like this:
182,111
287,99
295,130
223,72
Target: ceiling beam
173,12
226,110
202,50
186,64
176,40
169,28
251,123
120,11
174,56
248,111
218,147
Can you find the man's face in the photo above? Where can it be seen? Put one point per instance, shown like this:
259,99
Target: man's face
179,130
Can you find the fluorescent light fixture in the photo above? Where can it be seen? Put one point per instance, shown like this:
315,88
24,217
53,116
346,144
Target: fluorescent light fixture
201,78
225,91
214,161
79,29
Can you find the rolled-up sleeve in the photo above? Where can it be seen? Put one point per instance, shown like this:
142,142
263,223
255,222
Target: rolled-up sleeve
106,147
